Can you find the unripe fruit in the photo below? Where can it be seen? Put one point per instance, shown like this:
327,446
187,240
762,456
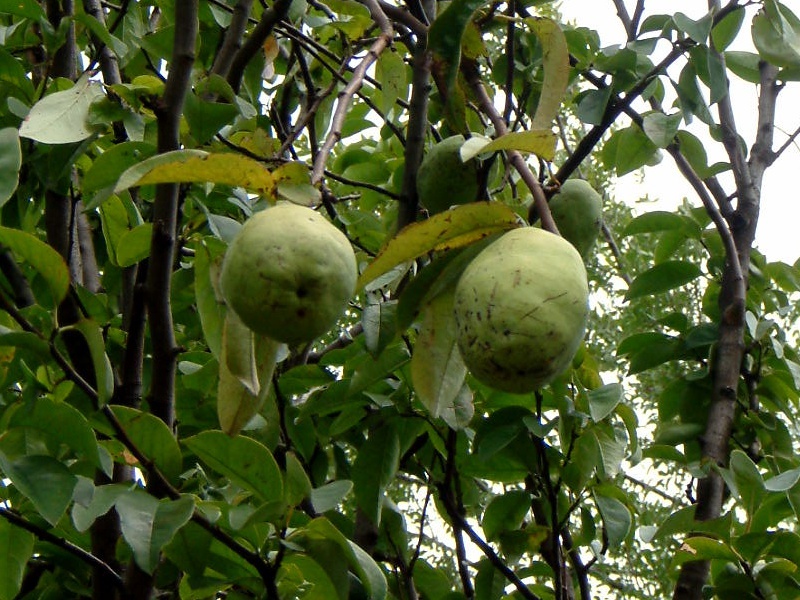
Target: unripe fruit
578,212
521,308
289,273
443,179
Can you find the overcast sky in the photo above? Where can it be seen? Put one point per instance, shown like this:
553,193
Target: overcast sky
777,235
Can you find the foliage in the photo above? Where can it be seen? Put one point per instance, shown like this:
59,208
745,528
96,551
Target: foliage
136,138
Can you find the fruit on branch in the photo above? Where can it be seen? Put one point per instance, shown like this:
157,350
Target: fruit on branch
289,273
521,307
578,212
443,179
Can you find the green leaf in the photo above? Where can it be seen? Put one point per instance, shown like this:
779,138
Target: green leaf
301,576
153,437
374,468
380,325
776,34
617,519
45,481
210,306
749,483
23,8
186,166
658,220
134,245
661,128
662,278
107,168
603,400
784,481
149,524
451,229
205,118
10,163
18,545
437,371
703,548
243,460
744,64
297,484
103,498
330,495
627,149
370,574
390,70
60,422
40,256
104,374
725,31
61,117
505,513
444,40
246,364
100,30
697,30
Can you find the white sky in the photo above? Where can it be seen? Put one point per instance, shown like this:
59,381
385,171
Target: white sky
777,236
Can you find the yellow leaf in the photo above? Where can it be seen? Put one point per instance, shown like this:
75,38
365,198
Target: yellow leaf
556,70
447,230
541,142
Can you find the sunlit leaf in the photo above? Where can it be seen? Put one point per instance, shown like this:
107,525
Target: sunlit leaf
453,228
61,117
186,166
541,142
704,548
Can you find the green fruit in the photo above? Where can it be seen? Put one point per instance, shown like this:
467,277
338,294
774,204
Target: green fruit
289,273
578,212
521,307
443,179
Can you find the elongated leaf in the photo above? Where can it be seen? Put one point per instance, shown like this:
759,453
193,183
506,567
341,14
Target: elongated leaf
186,166
104,497
149,524
617,518
371,576
444,39
380,325
703,548
541,142
10,163
104,375
245,461
60,422
61,118
16,548
246,364
374,469
40,256
152,436
329,496
45,481
24,8
210,308
603,400
437,370
555,59
659,220
663,277
784,481
776,35
451,229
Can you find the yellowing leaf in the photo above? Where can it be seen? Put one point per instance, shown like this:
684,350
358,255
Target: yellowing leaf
451,229
187,166
556,71
541,142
